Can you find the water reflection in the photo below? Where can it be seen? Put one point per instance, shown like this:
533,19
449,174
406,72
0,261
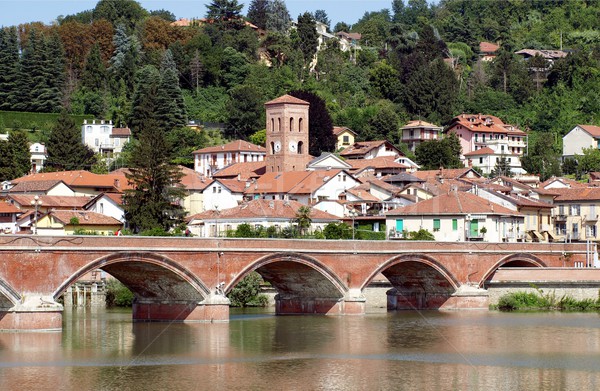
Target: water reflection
402,351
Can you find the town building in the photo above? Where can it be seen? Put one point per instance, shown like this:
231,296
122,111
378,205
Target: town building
488,51
576,212
209,160
103,138
9,214
485,139
38,156
345,137
417,132
370,150
70,222
579,138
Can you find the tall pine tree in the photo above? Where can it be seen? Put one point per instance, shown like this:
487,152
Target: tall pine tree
170,107
94,72
9,68
66,151
258,13
20,155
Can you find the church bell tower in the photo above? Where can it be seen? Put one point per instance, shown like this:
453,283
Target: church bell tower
287,134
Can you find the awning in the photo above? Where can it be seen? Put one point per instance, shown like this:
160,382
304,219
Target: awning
537,235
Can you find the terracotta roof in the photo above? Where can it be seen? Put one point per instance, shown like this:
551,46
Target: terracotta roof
245,170
62,202
287,99
372,181
481,151
35,186
378,162
566,181
233,185
362,193
117,198
578,194
420,124
484,123
453,203
340,129
402,177
446,173
234,146
193,180
5,207
593,130
291,182
530,203
120,132
362,147
113,181
343,34
276,209
488,47
85,218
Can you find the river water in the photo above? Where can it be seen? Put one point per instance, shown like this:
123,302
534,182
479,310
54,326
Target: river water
480,350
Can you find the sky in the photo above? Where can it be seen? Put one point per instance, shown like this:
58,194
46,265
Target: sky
15,12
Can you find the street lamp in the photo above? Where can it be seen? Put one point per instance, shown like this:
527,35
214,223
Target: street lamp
353,213
36,202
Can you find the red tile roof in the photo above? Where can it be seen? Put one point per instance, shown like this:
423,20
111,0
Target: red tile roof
60,202
245,170
420,124
234,146
233,185
488,47
483,123
446,173
291,182
287,99
193,180
85,218
340,129
115,181
5,207
362,147
578,194
378,162
276,209
35,186
454,203
481,151
593,130
566,181
120,132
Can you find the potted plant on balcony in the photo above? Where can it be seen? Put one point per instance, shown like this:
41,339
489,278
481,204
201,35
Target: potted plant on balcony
483,231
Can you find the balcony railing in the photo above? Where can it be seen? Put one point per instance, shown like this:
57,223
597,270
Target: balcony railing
590,217
560,217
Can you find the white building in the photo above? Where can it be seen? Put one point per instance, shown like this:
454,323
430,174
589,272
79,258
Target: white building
103,138
580,137
38,156
211,159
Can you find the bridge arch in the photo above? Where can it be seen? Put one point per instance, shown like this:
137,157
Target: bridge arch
8,296
297,275
149,276
513,260
418,281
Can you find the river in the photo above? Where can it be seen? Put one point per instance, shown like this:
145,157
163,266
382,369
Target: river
478,350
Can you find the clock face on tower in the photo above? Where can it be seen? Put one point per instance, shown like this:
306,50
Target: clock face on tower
292,146
277,146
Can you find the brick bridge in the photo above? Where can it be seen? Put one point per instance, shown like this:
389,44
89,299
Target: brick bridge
186,279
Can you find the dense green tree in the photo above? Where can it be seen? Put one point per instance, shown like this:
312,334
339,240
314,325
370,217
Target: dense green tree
144,98
543,157
341,26
502,168
321,16
6,172
431,155
9,68
170,107
183,142
278,19
247,292
225,13
258,13
126,12
589,161
234,67
303,219
320,126
337,231
245,110
65,149
385,81
94,72
164,14
259,137
308,39
19,152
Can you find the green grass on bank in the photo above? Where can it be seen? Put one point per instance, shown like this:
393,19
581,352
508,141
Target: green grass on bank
33,121
541,301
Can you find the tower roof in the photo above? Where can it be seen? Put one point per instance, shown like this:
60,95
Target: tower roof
287,99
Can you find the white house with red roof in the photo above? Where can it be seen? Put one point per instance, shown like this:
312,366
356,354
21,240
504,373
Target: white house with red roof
8,218
487,50
345,137
103,138
211,159
266,213
69,222
223,194
370,150
484,139
580,137
108,204
456,216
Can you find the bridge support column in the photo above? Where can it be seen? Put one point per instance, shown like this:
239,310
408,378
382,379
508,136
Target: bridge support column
350,305
34,313
213,309
467,297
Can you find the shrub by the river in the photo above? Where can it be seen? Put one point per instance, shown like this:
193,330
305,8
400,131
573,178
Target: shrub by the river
538,300
117,294
247,292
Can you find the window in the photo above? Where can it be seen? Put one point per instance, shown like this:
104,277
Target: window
575,230
104,129
399,225
346,140
96,142
436,225
480,160
575,208
454,225
476,137
300,125
291,124
561,210
117,142
88,129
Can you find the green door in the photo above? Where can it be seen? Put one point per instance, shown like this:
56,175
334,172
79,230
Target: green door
399,225
474,228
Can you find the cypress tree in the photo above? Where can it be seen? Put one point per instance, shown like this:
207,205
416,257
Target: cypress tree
54,63
9,68
20,155
258,13
144,98
170,107
94,72
65,149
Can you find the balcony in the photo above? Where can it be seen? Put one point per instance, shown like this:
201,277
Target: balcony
560,217
591,218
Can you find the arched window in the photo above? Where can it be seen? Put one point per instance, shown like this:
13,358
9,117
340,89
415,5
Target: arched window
272,125
279,124
272,148
300,124
291,124
300,147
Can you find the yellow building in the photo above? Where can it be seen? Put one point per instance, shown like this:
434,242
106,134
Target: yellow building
67,222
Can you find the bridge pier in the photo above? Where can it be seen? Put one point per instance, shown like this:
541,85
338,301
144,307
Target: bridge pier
290,305
213,309
465,297
34,313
